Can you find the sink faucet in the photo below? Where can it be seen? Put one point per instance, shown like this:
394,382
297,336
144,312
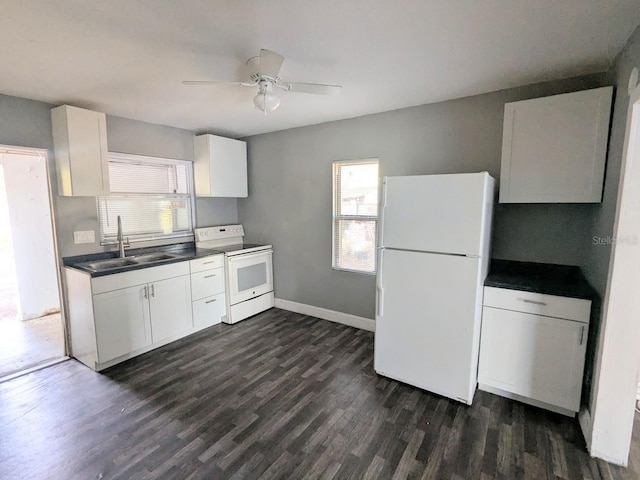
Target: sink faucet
122,243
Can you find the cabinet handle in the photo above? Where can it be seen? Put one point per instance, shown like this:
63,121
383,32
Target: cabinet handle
146,292
533,301
209,301
209,276
153,290
206,263
581,334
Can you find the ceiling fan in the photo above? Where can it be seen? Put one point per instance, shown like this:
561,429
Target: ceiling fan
264,70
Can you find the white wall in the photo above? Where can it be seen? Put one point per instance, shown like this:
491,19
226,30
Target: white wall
617,372
31,233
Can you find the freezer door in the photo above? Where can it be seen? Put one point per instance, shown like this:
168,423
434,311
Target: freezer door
438,213
428,321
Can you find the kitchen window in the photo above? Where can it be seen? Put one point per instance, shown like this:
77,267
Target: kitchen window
153,196
355,215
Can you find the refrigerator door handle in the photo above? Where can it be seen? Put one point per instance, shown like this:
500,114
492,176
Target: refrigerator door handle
379,287
384,207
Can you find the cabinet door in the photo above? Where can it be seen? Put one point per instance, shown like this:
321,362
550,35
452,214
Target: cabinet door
80,141
554,148
170,304
209,311
220,167
122,322
537,357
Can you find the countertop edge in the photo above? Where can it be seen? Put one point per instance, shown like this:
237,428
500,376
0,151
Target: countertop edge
185,255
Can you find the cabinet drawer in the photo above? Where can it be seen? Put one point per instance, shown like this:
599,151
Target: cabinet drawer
538,303
206,263
209,311
207,283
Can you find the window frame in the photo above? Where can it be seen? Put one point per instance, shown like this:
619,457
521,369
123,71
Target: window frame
154,239
336,217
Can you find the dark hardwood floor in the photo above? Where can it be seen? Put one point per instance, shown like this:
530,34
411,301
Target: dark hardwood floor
278,396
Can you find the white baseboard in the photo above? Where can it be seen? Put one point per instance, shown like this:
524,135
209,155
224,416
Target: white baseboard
586,425
326,314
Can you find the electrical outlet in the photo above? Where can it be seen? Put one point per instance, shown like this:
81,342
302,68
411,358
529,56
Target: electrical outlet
85,236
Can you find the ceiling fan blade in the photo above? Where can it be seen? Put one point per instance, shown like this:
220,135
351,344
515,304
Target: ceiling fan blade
315,88
270,63
200,82
211,82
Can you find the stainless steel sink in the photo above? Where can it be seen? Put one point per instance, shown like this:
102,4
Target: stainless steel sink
101,265
113,263
153,257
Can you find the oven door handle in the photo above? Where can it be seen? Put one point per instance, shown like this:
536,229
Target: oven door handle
245,256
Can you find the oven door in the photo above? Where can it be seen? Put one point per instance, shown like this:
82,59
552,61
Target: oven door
250,275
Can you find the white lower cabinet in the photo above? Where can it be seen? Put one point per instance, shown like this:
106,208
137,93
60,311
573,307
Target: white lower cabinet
170,307
208,291
122,322
533,358
116,317
209,311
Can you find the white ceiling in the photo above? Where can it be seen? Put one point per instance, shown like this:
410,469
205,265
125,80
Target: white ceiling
128,57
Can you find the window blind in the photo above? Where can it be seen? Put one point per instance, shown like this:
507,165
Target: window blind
153,197
355,215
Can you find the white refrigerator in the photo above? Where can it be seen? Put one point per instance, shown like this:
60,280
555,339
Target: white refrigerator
433,260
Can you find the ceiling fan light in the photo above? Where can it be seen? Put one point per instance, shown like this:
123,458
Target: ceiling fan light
266,102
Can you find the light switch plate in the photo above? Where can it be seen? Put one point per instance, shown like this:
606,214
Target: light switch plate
84,236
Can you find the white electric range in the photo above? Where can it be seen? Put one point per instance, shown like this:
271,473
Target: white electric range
248,270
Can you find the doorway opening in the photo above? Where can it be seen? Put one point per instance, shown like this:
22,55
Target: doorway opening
31,326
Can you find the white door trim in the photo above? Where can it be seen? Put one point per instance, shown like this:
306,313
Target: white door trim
616,371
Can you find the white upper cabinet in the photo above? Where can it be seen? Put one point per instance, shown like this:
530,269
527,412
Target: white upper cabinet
554,148
220,167
80,142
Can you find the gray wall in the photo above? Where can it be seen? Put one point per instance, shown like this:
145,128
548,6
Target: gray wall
216,211
290,189
27,123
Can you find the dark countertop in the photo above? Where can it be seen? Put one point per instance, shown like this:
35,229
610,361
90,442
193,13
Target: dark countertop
561,280
184,252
